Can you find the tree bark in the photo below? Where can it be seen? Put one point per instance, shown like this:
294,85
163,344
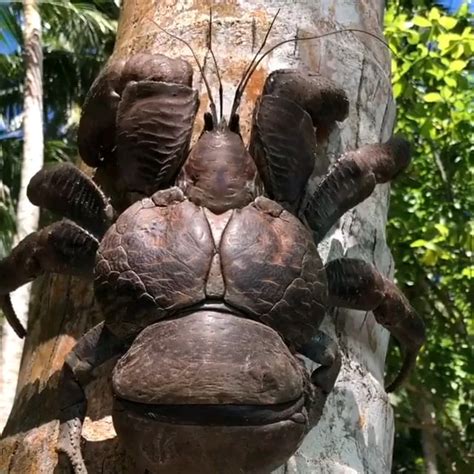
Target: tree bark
428,433
356,433
27,215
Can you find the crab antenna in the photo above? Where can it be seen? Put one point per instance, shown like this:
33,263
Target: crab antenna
221,90
240,89
294,40
212,105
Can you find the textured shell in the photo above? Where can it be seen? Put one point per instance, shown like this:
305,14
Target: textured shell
272,269
208,358
154,127
165,254
153,262
219,173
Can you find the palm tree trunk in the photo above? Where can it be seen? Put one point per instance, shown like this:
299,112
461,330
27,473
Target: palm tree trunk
356,434
27,215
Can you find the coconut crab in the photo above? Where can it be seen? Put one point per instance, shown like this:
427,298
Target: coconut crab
211,292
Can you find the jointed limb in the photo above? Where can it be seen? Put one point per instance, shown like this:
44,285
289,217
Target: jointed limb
93,349
67,191
62,247
355,284
351,180
324,351
283,141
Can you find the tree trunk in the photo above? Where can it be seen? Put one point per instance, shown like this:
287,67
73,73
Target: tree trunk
356,433
428,433
27,215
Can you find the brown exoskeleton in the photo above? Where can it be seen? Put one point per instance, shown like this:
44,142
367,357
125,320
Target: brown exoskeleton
211,292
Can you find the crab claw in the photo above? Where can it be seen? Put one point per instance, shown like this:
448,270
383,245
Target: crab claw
10,315
356,284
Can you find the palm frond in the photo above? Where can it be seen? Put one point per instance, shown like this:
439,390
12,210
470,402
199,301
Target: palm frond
10,27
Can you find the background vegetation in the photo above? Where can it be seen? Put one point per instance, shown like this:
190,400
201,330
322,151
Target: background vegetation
78,37
430,229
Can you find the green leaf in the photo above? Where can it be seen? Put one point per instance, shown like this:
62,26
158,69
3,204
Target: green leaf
418,243
445,39
397,89
448,22
421,22
430,258
468,272
442,229
432,97
450,81
434,14
413,37
457,65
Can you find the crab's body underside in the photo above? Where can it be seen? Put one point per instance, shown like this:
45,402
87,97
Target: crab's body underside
211,292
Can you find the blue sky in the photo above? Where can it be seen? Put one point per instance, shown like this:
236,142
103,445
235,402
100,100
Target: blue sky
453,5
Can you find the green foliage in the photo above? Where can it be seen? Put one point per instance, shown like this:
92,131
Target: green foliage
77,39
431,229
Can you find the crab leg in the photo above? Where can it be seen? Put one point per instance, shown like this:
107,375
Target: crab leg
93,349
324,351
355,284
351,180
283,140
67,191
62,247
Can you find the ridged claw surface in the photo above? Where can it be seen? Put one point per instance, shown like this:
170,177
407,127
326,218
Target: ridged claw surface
96,133
294,107
356,284
283,144
324,101
351,180
62,247
67,191
97,128
154,127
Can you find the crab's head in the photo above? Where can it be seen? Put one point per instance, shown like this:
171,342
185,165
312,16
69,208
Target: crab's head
219,172
210,392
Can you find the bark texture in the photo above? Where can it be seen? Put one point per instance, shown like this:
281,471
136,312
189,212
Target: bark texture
356,433
27,215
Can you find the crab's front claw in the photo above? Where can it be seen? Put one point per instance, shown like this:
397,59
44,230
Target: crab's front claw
356,284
